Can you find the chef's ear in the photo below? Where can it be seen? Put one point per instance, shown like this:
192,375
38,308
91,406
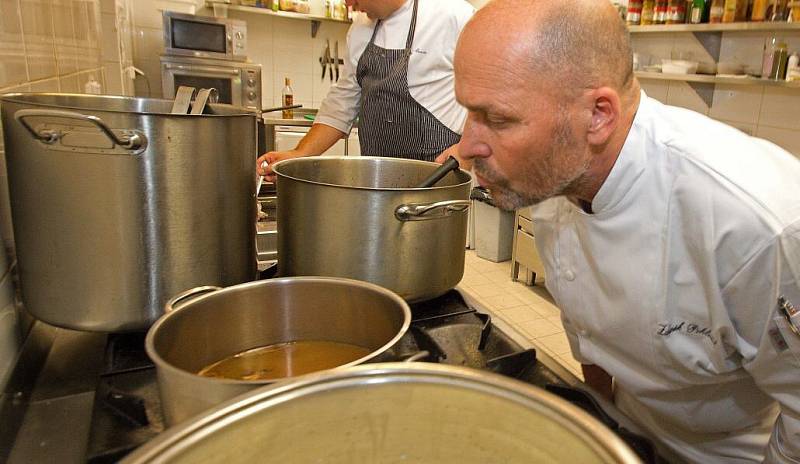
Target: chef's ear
606,108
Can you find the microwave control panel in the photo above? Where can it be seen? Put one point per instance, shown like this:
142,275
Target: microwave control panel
238,40
252,88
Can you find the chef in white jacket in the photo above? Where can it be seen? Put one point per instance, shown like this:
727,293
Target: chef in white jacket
671,242
398,79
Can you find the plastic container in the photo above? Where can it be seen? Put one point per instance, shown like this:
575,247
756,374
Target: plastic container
494,228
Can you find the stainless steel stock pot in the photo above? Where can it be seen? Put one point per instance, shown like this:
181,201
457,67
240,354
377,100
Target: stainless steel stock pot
363,218
118,204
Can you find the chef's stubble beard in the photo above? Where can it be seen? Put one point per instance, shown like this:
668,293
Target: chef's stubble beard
555,164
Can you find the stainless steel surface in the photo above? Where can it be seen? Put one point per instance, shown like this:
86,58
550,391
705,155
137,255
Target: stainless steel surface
524,255
237,83
111,238
337,218
263,313
204,96
235,37
392,413
183,98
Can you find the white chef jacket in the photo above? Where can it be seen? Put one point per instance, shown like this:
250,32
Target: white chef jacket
430,71
671,285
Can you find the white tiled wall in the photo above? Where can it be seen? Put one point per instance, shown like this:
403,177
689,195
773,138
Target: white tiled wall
772,113
283,47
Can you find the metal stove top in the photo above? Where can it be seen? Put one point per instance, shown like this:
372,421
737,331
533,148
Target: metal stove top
124,411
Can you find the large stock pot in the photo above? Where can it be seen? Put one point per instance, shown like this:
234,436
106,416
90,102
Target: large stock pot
224,322
118,205
363,218
392,413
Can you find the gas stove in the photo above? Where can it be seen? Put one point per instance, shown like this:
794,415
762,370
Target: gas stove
124,411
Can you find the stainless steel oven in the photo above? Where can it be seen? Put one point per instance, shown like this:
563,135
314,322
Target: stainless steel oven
205,36
236,82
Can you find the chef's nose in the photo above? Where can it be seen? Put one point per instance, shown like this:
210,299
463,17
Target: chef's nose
472,145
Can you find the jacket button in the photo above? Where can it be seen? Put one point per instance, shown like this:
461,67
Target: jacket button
569,275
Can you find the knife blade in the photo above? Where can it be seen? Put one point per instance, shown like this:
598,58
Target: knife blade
336,59
324,61
330,65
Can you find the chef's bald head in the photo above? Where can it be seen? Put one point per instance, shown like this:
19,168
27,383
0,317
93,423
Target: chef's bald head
573,44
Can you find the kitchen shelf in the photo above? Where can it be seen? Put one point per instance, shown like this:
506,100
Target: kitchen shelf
704,78
315,19
717,27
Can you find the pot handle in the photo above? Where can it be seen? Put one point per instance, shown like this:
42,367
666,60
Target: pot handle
191,293
131,140
427,211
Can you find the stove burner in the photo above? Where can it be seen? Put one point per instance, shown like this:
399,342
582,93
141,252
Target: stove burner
125,353
444,330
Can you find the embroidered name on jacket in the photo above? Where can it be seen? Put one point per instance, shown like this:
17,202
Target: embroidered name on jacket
687,328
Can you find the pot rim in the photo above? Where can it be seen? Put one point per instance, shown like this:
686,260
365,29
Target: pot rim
305,159
161,363
176,439
15,98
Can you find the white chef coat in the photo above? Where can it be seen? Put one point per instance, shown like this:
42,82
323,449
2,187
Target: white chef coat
430,71
671,285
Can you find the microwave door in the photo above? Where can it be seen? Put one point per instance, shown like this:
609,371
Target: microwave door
227,83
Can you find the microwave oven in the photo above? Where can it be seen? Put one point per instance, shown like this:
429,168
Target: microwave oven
237,83
204,36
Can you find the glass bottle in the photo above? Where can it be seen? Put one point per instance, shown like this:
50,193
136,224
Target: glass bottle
287,99
716,11
634,16
675,12
696,14
648,10
660,15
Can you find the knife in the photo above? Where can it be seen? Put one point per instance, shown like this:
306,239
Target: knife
330,65
336,59
324,61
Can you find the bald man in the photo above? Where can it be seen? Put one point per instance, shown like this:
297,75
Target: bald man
671,242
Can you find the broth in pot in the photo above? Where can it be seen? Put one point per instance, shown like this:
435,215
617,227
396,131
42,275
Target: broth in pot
282,360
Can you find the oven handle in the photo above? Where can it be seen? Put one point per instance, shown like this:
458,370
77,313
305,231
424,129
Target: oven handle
232,72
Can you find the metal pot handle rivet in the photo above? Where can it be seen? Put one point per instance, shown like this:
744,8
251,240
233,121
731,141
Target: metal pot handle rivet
427,211
131,140
191,293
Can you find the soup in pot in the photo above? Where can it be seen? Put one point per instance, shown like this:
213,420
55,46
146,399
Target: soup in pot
281,360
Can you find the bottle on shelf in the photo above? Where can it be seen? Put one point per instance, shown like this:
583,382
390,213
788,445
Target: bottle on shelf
634,16
734,11
778,10
696,15
648,10
779,60
716,11
676,12
660,14
287,99
759,12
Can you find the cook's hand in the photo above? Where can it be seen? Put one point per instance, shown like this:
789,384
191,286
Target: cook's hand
453,151
271,158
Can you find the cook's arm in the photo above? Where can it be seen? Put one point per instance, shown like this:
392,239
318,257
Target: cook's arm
770,348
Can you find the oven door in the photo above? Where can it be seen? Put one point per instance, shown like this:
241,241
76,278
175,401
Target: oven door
226,80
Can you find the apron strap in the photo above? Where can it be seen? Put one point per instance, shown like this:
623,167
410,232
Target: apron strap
411,30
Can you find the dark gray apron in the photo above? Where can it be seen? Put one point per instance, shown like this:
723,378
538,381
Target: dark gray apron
391,123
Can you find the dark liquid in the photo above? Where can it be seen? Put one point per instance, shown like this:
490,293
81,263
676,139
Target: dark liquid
282,360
